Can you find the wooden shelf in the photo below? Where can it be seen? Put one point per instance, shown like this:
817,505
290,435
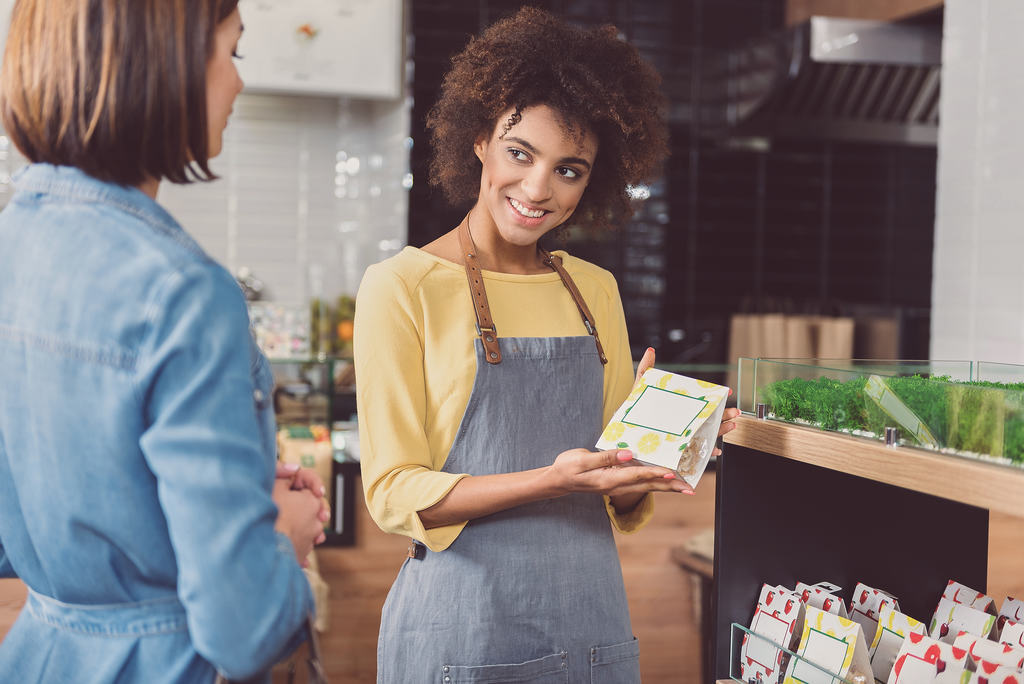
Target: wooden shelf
975,483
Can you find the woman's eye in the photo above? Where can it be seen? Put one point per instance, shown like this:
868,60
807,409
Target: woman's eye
518,155
235,55
566,172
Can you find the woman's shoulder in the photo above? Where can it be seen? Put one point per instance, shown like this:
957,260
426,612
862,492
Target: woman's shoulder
408,271
588,274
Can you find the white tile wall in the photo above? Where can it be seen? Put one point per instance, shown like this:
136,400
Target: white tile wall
978,274
312,190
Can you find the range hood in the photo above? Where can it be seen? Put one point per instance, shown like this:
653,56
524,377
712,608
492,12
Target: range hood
844,79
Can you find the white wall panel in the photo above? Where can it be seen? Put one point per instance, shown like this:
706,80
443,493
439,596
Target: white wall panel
978,277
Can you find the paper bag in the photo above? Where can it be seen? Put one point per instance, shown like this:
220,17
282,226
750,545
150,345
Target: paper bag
958,593
778,618
923,660
893,629
1012,634
669,420
985,655
823,596
999,675
952,618
866,605
1011,611
834,644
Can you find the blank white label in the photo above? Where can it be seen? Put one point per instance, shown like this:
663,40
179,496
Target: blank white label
664,411
825,651
776,631
889,645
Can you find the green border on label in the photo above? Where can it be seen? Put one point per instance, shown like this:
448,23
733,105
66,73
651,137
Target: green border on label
835,676
705,402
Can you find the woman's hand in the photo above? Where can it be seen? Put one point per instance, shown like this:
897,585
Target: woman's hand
298,518
607,472
306,479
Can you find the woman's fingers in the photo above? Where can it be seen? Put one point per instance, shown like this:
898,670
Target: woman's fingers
305,478
613,470
646,362
285,470
728,421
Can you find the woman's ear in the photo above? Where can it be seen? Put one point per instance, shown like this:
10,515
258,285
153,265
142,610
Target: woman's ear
480,148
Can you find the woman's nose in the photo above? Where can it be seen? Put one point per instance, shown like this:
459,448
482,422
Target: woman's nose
537,185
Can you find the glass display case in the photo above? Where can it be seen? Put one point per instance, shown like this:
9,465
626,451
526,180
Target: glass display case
961,408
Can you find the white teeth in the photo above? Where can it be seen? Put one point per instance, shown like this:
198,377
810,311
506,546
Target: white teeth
535,213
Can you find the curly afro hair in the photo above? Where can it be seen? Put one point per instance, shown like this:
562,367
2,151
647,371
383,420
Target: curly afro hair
593,79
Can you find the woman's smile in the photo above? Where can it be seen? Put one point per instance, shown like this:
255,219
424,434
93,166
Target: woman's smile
526,212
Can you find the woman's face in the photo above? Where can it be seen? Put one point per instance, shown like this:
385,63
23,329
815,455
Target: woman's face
534,175
222,81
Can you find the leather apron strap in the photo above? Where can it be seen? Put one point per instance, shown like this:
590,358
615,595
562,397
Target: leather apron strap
485,325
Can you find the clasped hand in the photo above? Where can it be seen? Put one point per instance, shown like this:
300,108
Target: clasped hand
302,508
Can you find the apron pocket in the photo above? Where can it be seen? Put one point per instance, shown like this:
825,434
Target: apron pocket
618,664
547,670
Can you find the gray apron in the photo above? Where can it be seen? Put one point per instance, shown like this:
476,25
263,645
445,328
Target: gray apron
533,593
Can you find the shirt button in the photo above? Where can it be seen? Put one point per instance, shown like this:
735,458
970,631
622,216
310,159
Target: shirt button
447,678
257,395
446,668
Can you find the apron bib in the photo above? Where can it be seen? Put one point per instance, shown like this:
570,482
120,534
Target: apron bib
533,593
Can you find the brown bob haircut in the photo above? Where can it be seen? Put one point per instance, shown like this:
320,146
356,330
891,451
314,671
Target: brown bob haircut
116,88
594,80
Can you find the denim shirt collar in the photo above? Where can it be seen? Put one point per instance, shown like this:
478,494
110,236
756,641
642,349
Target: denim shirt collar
71,183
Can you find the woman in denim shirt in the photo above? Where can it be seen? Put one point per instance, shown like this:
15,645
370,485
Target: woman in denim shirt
137,480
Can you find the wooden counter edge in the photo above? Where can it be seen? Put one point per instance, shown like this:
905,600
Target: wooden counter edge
976,483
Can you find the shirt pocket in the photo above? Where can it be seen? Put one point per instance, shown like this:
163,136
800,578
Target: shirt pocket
552,669
616,664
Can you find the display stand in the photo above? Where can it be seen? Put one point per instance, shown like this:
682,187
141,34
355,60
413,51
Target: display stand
798,504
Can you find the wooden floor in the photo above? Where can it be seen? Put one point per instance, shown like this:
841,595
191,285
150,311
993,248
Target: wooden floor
660,594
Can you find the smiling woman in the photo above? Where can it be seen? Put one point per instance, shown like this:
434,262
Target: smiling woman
485,378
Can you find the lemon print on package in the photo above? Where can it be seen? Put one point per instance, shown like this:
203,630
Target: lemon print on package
669,420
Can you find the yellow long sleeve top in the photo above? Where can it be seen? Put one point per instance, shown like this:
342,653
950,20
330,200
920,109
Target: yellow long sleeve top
415,367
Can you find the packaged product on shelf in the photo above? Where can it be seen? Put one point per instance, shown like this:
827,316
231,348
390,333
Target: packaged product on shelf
309,446
923,660
958,593
669,420
778,618
824,596
1012,634
893,629
1012,610
983,654
833,643
951,618
999,675
282,331
867,604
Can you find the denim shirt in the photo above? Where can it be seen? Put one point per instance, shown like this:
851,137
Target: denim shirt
136,448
